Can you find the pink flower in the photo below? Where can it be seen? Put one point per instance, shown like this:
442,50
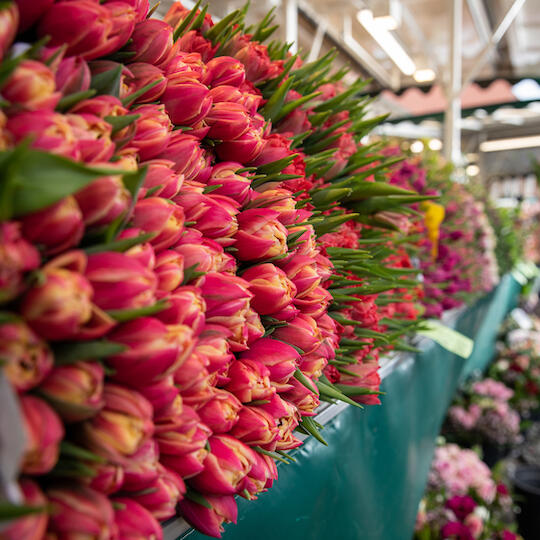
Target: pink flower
152,41
249,381
152,131
135,522
220,413
73,75
187,100
225,70
209,520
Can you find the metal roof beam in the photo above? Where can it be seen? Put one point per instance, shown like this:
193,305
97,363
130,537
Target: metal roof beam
480,19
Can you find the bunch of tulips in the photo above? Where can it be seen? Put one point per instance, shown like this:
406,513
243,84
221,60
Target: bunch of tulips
191,259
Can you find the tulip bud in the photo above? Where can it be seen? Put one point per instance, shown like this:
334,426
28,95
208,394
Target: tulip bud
244,149
187,101
209,520
93,136
225,70
57,227
194,42
162,217
250,99
73,75
48,131
134,522
169,270
154,350
287,418
162,179
143,74
101,106
233,185
95,29
79,512
31,86
177,14
33,526
224,294
225,466
213,345
141,470
279,200
152,131
256,427
60,306
160,394
260,235
44,431
121,427
256,60
302,271
227,121
186,153
152,41
306,400
206,255
119,281
75,390
315,303
302,331
103,200
27,358
167,490
255,328
367,377
142,253
187,306
249,381
17,256
9,20
108,478
220,414
260,477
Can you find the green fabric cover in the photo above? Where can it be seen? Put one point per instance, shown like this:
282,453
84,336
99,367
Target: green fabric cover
368,482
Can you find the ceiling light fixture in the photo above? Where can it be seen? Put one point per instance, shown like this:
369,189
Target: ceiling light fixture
499,145
386,41
424,75
435,144
472,170
417,147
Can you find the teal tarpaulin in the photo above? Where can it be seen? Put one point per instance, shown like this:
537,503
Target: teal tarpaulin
369,480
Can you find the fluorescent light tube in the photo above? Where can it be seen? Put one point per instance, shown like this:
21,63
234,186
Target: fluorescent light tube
498,145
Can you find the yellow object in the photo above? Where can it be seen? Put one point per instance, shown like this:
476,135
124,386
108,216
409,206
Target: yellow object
433,217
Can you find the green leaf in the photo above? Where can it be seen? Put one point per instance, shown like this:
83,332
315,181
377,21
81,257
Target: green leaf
330,391
124,315
72,450
128,100
300,377
274,105
108,82
276,166
7,317
331,223
187,21
69,101
273,455
120,245
71,352
191,273
329,195
196,497
9,511
362,189
356,390
310,426
209,189
8,65
120,122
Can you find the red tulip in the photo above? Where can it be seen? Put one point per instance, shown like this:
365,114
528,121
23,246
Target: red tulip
243,149
367,378
60,306
162,217
75,390
227,121
57,227
255,328
108,478
233,185
187,101
255,58
225,295
225,466
44,431
315,303
134,522
209,520
306,400
194,41
142,467
225,70
231,94
161,394
162,179
103,200
302,271
214,346
169,270
28,359
256,427
101,106
93,136
260,477
72,75
302,331
281,201
152,131
249,381
187,65
206,255
186,153
142,74
79,512
9,20
287,418
152,41
187,306
177,14
142,253
121,427
220,414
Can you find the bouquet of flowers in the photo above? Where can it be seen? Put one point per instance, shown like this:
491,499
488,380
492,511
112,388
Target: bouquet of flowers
463,501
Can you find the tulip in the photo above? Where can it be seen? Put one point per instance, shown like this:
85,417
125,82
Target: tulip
243,149
152,131
75,390
48,131
72,75
251,101
186,65
260,235
9,20
271,288
260,478
60,306
27,358
225,466
94,29
103,200
256,427
152,41
166,491
142,253
302,332
162,179
224,294
162,217
225,70
346,147
161,394
255,58
142,74
206,256
31,86
31,527
187,101
98,67
57,227
255,328
195,42
44,431
227,121
141,470
302,271
101,106
30,11
186,153
220,414
306,243
367,377
315,303
107,478
121,427
249,381
94,137
214,346
305,399
280,359
169,270
209,520
154,350
134,522
119,281
187,307
233,185
287,418
279,200
79,512
177,13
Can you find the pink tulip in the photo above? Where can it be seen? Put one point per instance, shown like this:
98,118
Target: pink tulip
195,42
287,418
302,271
95,29
302,332
154,350
119,281
255,58
205,255
142,467
233,185
187,65
209,520
75,390
304,399
244,149
249,381
60,306
260,478
186,153
281,201
224,294
57,227
161,394
187,101
9,20
34,526
48,131
225,70
231,94
142,253
255,328
169,270
187,307
368,378
143,74
17,256
225,466
152,41
121,427
44,431
315,303
214,346
103,200
108,478
27,358
72,75
30,11
162,179
162,217
313,364
260,235
256,427
93,137
31,86
227,121
79,512
280,359
101,106
177,14
152,131
167,490
220,414
134,522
